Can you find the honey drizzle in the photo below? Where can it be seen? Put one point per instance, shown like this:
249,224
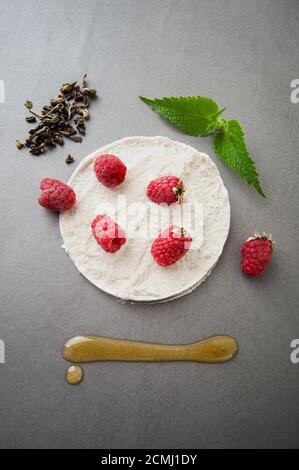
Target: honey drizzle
216,349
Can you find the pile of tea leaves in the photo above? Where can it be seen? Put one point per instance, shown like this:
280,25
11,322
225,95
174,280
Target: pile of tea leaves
63,117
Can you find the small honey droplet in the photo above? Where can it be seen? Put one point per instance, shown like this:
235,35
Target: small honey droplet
74,375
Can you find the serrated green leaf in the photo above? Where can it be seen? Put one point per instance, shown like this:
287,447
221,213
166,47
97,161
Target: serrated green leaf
196,115
230,146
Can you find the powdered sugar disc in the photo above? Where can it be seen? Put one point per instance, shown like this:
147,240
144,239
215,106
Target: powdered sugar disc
131,274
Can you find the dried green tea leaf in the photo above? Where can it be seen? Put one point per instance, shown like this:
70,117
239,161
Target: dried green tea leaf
69,159
28,104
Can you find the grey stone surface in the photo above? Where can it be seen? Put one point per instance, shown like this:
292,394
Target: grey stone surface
244,54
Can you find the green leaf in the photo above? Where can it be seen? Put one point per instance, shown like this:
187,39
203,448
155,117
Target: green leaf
196,115
230,146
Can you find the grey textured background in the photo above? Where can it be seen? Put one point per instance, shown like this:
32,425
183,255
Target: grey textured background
242,53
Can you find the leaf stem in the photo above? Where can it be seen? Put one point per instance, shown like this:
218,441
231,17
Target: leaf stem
221,125
39,116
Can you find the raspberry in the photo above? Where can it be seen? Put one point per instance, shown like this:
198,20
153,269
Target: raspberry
256,253
109,170
109,235
56,196
166,189
170,246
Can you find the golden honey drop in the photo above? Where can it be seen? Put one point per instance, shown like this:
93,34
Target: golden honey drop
74,375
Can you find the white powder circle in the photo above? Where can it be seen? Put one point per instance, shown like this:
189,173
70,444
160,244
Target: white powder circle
131,274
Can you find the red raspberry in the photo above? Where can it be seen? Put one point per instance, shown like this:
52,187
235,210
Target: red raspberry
166,189
256,253
56,196
109,235
110,170
170,246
